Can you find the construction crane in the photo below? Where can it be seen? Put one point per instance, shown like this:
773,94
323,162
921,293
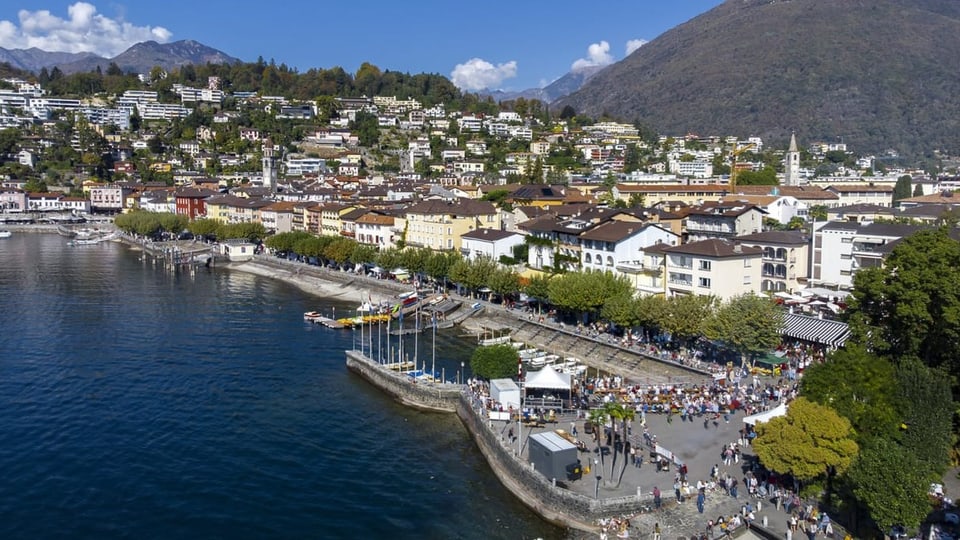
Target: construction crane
733,162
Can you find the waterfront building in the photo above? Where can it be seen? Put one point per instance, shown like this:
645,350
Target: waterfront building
713,267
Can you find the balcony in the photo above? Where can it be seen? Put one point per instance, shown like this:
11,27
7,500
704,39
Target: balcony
682,282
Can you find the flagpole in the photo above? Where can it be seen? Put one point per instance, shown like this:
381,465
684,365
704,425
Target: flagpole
416,336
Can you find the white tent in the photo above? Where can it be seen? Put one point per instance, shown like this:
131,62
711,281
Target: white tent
765,416
548,378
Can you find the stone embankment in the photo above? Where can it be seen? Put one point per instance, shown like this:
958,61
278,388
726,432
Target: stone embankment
436,397
602,354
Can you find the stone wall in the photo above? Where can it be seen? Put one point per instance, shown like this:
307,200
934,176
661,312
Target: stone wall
424,396
607,356
555,504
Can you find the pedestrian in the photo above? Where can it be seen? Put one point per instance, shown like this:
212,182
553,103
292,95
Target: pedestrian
573,428
656,498
676,491
510,434
701,498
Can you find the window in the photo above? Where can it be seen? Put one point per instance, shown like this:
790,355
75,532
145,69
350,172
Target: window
845,256
746,280
746,263
846,240
705,266
704,282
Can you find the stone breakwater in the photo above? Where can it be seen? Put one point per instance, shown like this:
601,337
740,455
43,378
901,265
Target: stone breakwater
437,397
555,504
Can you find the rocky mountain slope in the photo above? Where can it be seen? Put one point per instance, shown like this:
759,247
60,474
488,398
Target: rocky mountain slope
879,74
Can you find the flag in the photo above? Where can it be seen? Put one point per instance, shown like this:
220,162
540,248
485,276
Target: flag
395,309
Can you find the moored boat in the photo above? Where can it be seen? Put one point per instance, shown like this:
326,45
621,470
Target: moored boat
5,234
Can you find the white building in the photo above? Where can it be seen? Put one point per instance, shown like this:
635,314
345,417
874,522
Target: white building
489,243
713,267
842,248
614,243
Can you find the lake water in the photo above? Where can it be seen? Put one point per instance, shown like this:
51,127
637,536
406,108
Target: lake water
141,403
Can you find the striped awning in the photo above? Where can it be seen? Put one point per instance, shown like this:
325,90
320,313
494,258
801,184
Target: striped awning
823,331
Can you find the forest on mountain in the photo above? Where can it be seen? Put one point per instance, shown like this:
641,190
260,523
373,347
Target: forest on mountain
265,78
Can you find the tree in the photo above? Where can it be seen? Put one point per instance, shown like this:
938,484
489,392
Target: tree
918,190
684,316
585,293
203,227
766,177
617,412
860,386
339,250
598,418
926,404
494,361
910,307
749,323
902,189
621,311
810,440
504,281
888,481
283,242
818,212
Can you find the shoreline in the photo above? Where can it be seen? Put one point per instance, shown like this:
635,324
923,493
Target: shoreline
582,518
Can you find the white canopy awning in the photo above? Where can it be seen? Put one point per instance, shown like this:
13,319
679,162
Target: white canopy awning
548,378
766,416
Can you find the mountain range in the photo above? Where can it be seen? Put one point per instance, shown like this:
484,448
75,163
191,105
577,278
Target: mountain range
139,58
563,86
880,74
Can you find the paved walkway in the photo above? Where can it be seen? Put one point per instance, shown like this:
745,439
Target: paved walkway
696,446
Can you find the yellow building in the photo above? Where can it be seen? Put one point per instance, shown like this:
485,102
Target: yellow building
331,214
439,224
657,193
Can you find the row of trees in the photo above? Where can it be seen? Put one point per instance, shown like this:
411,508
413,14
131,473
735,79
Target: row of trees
749,324
876,424
156,224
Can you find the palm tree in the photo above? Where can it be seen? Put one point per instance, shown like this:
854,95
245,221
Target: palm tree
598,417
625,414
615,411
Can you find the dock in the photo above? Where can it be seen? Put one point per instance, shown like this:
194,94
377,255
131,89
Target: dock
329,323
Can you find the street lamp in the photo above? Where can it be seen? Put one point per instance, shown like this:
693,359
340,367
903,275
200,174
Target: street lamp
596,468
462,374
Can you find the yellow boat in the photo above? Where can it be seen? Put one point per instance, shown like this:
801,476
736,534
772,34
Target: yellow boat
366,319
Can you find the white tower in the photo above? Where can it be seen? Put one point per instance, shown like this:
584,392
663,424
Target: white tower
269,166
791,163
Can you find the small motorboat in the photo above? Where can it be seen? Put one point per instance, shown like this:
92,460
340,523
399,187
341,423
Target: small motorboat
5,234
312,316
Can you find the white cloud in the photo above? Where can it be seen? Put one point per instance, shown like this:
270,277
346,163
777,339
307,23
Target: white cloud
83,30
478,74
634,44
598,54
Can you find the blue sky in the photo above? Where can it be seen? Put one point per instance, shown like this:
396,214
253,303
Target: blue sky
494,44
